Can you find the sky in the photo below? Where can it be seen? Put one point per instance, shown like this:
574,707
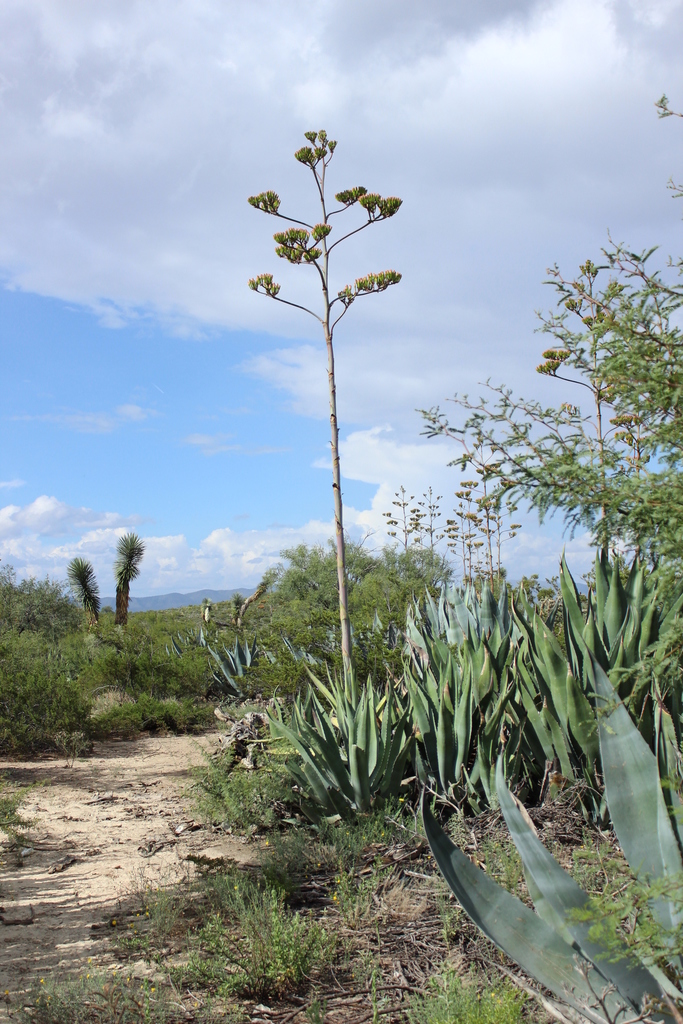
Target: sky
145,387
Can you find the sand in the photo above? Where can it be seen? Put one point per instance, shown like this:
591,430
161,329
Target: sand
102,829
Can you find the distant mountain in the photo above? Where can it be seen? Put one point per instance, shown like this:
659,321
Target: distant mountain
160,602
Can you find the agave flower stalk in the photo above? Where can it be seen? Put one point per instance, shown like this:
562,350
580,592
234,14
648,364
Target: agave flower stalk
310,245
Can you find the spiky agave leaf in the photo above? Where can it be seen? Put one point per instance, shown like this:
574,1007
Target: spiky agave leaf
529,940
83,583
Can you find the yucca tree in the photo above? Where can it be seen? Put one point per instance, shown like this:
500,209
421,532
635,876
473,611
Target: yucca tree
81,577
129,552
308,245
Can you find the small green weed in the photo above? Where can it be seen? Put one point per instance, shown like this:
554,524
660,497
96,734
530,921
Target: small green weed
449,1000
351,838
262,950
354,895
11,822
503,863
245,801
115,999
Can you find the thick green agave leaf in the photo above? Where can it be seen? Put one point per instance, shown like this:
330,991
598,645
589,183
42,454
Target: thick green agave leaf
615,607
603,577
488,611
556,895
634,795
513,927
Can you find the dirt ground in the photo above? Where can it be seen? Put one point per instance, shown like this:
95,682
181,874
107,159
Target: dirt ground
103,828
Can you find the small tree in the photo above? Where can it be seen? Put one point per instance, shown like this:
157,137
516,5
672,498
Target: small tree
129,552
307,245
83,583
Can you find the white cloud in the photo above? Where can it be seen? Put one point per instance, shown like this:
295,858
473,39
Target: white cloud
211,444
133,413
134,131
93,422
301,371
42,537
49,517
215,444
10,485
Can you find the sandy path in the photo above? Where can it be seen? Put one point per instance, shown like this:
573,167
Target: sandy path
125,813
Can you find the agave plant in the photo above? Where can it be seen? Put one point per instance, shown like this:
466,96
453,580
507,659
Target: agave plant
352,760
231,664
460,707
619,625
464,699
555,945
458,616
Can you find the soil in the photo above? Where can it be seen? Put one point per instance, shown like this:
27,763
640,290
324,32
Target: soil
103,829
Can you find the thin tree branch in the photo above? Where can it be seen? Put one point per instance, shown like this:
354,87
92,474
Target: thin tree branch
354,232
295,305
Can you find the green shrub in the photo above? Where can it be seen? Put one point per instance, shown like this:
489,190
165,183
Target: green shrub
38,698
266,950
150,714
449,1000
36,606
11,821
134,660
245,800
117,999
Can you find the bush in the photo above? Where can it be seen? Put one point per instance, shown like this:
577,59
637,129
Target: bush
38,698
134,660
97,998
266,950
37,606
242,800
450,1001
149,713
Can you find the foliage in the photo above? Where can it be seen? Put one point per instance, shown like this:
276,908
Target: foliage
254,946
351,761
298,611
617,470
37,606
83,583
307,245
97,999
461,701
11,821
558,946
129,553
450,1000
134,661
38,697
148,713
244,801
619,625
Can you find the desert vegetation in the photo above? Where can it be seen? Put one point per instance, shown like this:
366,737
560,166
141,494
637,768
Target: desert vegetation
464,795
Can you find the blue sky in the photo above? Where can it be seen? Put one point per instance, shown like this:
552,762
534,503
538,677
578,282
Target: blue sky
145,386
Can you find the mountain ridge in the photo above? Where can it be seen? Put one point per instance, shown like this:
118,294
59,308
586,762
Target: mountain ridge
162,602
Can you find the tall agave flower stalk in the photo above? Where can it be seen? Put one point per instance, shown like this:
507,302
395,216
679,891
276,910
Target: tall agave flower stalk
311,245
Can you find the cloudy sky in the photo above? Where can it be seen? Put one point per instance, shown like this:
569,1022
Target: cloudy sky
144,385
